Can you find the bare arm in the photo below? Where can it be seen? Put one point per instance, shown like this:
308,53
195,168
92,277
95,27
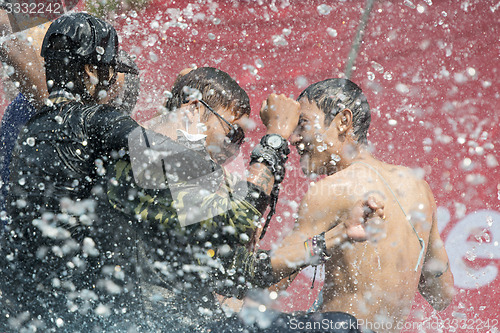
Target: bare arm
280,115
342,218
27,64
337,220
436,279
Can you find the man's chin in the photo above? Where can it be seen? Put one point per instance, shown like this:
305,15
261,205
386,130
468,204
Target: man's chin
305,164
310,169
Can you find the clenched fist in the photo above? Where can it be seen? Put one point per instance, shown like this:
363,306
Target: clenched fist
280,114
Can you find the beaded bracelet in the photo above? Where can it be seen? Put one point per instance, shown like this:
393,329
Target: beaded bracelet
316,249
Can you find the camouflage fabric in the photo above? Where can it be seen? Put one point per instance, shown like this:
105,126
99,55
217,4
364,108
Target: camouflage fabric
232,214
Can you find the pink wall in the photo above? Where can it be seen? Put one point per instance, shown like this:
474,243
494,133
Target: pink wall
430,72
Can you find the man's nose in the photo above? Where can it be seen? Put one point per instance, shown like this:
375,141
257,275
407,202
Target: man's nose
295,138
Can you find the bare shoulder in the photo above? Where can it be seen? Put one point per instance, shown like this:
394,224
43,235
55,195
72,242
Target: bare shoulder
332,194
338,185
406,178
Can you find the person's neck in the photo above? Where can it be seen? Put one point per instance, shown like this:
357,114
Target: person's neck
351,153
169,129
363,156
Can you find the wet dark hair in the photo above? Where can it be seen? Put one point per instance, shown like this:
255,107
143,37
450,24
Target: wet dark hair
334,95
217,89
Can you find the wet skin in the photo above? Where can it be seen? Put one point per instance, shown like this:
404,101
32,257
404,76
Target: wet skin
374,281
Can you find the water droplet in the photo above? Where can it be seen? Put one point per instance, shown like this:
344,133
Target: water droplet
99,50
388,76
470,255
471,71
324,9
371,76
301,82
332,32
321,148
475,179
58,119
102,310
459,77
393,122
279,40
335,157
30,141
102,94
9,70
153,57
486,84
259,63
402,88
211,36
262,256
41,186
409,4
466,164
22,181
377,67
154,25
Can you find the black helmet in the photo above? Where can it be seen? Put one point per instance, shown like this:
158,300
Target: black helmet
82,37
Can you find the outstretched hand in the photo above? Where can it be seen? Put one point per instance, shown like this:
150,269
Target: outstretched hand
366,220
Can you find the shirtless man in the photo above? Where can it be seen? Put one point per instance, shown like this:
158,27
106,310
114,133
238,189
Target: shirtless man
374,281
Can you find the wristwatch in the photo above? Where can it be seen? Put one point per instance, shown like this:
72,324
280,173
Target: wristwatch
274,141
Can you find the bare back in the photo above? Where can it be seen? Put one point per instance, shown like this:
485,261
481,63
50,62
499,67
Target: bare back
376,282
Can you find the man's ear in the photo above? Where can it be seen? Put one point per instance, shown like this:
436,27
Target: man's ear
344,120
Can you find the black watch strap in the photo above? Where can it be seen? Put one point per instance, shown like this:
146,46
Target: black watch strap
274,156
253,194
276,142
